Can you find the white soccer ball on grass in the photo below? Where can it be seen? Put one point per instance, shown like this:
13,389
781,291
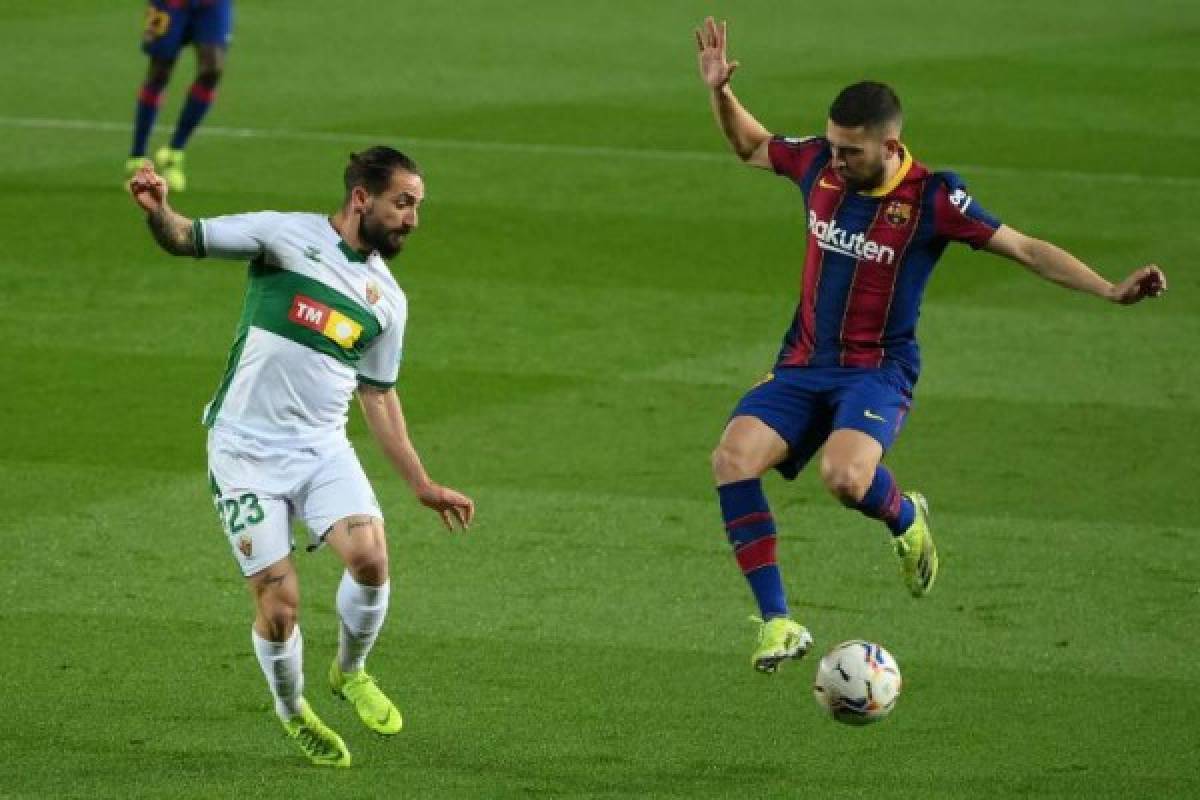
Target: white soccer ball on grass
857,682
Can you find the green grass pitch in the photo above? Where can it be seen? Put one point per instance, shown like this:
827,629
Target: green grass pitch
595,282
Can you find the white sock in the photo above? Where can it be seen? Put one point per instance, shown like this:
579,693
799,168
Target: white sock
282,664
361,610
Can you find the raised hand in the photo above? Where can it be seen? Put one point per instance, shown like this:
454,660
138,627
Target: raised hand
715,68
148,188
452,506
1148,281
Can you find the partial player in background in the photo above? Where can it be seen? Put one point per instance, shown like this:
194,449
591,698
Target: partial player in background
323,319
842,383
170,26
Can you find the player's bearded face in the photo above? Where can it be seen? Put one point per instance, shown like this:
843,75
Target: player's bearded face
379,234
858,156
386,219
862,169
864,175
874,177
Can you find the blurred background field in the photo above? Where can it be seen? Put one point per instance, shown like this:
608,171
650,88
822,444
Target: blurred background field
595,282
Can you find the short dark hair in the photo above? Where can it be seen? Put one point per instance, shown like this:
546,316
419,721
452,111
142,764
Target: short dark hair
867,104
372,168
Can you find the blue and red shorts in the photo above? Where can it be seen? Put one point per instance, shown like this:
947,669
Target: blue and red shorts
805,404
172,25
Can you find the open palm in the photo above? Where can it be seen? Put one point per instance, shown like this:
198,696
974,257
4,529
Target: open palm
715,68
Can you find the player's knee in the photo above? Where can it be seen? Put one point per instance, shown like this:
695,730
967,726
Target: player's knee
368,562
159,71
210,64
731,462
276,601
846,480
369,568
278,620
209,77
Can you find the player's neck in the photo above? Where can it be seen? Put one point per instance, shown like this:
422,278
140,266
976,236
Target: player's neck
343,224
894,169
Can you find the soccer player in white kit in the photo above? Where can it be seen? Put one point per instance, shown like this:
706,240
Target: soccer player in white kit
323,319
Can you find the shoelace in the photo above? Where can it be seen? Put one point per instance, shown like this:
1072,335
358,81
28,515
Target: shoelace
363,678
313,743
360,683
362,689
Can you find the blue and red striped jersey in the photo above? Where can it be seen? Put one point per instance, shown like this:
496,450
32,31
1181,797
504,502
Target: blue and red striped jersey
869,256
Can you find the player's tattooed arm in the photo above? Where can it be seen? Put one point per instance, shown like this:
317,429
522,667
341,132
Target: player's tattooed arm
172,231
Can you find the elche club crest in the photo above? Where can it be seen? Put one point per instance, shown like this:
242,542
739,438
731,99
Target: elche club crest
372,292
898,213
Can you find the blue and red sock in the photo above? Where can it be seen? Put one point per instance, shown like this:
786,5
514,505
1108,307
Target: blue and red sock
149,99
750,528
200,98
883,501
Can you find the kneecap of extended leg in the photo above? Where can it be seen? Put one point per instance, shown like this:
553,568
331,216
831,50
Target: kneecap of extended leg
731,463
276,621
847,482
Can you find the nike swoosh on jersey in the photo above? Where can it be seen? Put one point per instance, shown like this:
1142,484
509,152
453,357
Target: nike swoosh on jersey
869,415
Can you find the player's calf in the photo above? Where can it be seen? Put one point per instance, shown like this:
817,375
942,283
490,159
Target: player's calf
362,608
883,501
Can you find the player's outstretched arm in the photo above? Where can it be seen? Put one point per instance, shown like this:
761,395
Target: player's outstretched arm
385,419
1057,265
746,134
171,230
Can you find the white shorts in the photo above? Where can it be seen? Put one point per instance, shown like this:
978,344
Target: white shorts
259,490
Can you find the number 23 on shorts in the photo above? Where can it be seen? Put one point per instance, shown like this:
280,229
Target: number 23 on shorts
239,513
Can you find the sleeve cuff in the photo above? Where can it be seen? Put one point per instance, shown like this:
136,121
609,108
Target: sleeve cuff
198,238
982,240
773,145
375,383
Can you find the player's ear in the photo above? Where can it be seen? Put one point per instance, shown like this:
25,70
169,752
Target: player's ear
359,198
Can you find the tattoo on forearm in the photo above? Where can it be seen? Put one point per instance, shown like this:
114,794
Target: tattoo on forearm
172,232
361,523
275,579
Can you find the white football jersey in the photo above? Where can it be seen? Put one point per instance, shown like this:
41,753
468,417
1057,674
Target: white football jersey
318,319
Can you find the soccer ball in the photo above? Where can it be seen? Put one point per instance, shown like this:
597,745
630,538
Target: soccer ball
857,682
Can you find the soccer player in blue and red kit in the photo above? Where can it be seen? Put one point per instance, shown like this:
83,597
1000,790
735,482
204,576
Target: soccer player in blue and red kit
877,223
170,26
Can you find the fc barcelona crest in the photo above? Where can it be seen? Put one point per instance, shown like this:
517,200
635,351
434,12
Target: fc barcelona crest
898,213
